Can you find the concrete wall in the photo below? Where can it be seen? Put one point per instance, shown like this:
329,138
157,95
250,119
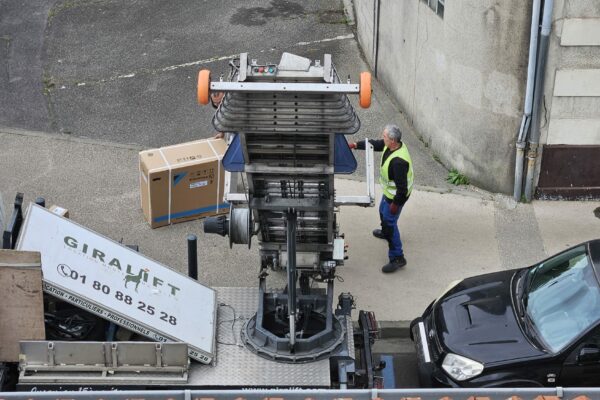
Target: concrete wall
460,79
365,24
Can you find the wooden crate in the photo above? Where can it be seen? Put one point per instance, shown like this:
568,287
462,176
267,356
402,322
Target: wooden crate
21,301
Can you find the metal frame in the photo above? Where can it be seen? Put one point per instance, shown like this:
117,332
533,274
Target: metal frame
316,394
10,234
333,338
366,201
103,362
290,87
369,199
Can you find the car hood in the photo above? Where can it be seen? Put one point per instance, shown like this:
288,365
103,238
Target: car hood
475,319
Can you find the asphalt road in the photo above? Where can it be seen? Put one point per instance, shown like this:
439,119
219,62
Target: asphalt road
125,72
22,33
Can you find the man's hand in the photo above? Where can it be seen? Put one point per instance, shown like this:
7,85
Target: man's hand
219,135
394,208
352,145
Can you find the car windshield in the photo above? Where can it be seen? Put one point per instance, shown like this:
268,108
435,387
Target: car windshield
563,298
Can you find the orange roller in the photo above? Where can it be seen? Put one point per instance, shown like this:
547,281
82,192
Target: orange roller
365,90
203,86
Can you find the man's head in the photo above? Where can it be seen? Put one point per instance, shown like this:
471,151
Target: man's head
392,136
216,98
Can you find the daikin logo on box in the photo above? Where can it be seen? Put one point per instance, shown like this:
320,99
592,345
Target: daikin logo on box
133,276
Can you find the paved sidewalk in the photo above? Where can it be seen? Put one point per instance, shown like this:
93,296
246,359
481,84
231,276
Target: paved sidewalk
447,235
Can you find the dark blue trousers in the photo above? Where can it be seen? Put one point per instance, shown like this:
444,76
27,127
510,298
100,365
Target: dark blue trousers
389,227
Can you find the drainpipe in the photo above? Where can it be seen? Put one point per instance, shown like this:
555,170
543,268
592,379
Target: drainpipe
534,138
522,137
377,6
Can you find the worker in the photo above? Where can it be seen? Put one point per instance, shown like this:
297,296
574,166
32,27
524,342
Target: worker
215,100
396,179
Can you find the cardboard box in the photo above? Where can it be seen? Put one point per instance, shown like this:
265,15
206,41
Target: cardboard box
183,182
63,212
22,304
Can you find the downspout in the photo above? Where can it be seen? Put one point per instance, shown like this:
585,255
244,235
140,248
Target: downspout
522,137
534,137
377,5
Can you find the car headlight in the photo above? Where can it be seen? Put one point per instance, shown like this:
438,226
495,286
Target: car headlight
461,368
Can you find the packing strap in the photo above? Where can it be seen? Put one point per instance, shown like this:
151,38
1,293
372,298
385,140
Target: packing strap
219,158
170,183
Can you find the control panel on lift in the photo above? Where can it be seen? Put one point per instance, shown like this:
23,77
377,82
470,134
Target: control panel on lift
255,69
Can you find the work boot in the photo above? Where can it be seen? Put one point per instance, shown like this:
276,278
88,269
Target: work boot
378,233
394,264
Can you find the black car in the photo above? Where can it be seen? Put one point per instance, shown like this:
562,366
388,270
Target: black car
535,326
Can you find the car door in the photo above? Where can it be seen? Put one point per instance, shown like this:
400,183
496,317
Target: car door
582,365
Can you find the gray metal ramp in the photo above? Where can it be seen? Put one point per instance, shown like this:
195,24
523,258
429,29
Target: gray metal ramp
237,366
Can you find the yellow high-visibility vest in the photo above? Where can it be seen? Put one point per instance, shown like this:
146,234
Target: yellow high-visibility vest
389,186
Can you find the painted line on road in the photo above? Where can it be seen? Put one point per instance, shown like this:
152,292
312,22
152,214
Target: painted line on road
343,37
194,63
221,58
4,130
199,62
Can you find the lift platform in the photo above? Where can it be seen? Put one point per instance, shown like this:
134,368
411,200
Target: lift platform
288,123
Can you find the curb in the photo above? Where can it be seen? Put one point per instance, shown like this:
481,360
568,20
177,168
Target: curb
391,329
68,138
394,329
469,191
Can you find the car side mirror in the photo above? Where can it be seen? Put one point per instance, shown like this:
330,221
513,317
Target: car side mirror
589,354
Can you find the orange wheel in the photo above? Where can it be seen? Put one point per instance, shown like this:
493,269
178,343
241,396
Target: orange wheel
365,90
203,86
